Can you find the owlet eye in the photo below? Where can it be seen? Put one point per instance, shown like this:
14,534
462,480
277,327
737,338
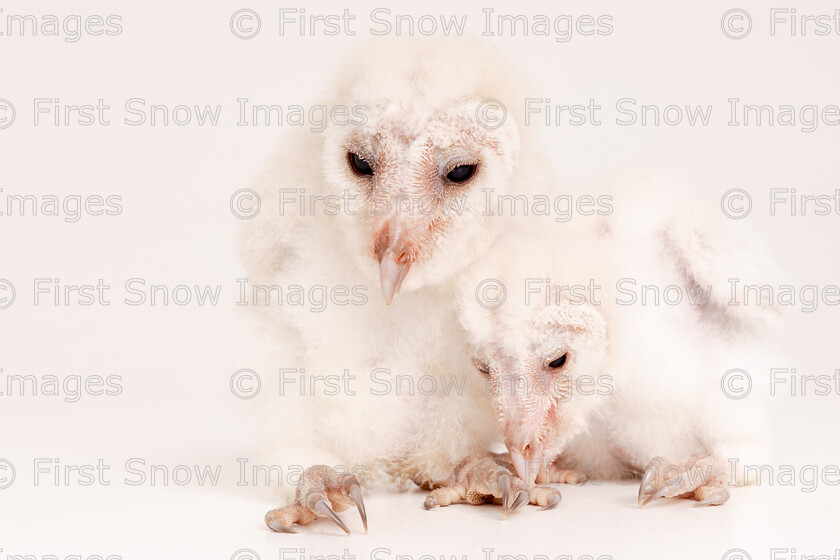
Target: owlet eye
558,362
481,366
358,164
461,173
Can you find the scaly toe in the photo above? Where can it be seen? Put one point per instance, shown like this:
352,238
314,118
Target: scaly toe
711,495
275,525
553,500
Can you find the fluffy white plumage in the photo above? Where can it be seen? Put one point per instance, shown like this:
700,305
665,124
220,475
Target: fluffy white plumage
421,101
664,363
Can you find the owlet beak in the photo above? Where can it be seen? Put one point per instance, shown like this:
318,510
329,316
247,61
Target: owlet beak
528,462
391,275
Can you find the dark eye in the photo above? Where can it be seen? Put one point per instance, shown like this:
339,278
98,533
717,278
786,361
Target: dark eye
461,173
558,362
481,366
359,165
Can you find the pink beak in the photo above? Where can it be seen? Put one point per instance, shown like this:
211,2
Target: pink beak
391,275
391,245
528,461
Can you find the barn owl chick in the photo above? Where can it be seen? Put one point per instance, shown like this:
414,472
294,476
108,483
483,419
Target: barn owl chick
545,368
654,405
392,202
533,364
419,165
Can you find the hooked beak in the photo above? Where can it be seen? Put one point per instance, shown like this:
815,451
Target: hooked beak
391,275
391,245
528,460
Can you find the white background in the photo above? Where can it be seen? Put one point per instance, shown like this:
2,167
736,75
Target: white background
175,183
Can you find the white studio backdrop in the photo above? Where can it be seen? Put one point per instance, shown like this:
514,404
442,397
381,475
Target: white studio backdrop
170,188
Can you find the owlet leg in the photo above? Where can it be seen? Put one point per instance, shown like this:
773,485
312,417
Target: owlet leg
321,493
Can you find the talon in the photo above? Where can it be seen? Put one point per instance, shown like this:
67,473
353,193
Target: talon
322,507
645,487
694,477
521,498
279,527
356,494
715,499
430,502
552,502
276,526
504,482
657,493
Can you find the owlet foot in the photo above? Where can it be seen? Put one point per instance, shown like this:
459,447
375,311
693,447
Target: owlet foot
692,478
563,475
490,480
320,493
